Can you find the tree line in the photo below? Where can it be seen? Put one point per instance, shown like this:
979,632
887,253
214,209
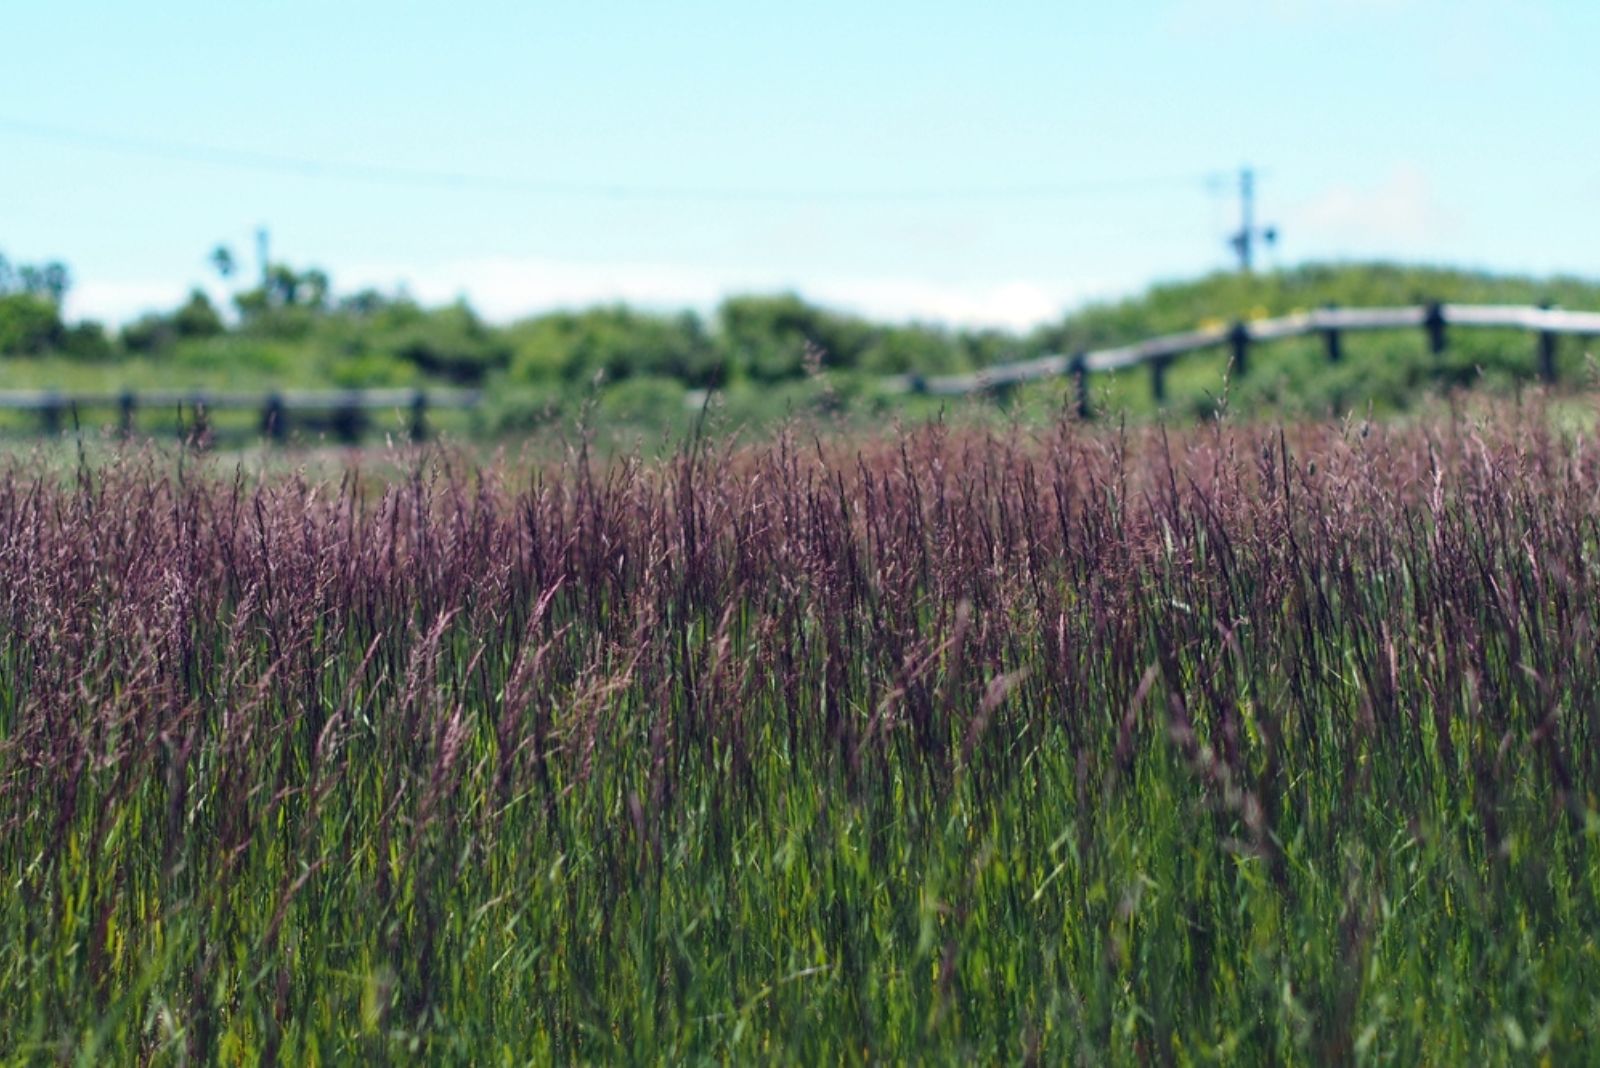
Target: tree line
289,323
747,338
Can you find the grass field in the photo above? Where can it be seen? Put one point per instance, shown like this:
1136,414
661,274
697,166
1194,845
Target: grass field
1234,744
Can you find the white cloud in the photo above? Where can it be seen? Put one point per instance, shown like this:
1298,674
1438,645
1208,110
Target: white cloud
1015,304
113,301
116,301
1400,212
506,288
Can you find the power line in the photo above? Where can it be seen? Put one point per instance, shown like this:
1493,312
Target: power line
381,174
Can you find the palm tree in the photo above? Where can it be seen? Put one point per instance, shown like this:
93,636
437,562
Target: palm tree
222,260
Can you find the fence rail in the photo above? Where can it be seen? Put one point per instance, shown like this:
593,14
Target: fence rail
1330,323
343,412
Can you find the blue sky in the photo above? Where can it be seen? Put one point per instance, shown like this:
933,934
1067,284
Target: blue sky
994,164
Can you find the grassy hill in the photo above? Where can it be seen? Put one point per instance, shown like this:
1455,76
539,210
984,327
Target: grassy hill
1180,305
1388,371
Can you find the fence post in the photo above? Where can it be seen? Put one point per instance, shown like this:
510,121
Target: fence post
200,430
419,416
1332,340
1239,342
126,403
1078,368
1547,351
347,422
1158,378
274,418
1433,323
50,414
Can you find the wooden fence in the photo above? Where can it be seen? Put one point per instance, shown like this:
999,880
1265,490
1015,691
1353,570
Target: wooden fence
1330,323
343,413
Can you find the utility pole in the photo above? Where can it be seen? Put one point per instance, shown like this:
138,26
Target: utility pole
261,254
1243,241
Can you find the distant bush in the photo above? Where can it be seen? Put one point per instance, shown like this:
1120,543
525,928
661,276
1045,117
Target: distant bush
373,369
157,333
197,317
614,341
86,340
450,343
769,339
650,402
147,334
921,349
247,357
293,323
29,325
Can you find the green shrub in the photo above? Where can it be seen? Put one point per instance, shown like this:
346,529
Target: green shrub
926,350
614,342
650,401
771,339
29,325
86,340
197,317
451,342
370,370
